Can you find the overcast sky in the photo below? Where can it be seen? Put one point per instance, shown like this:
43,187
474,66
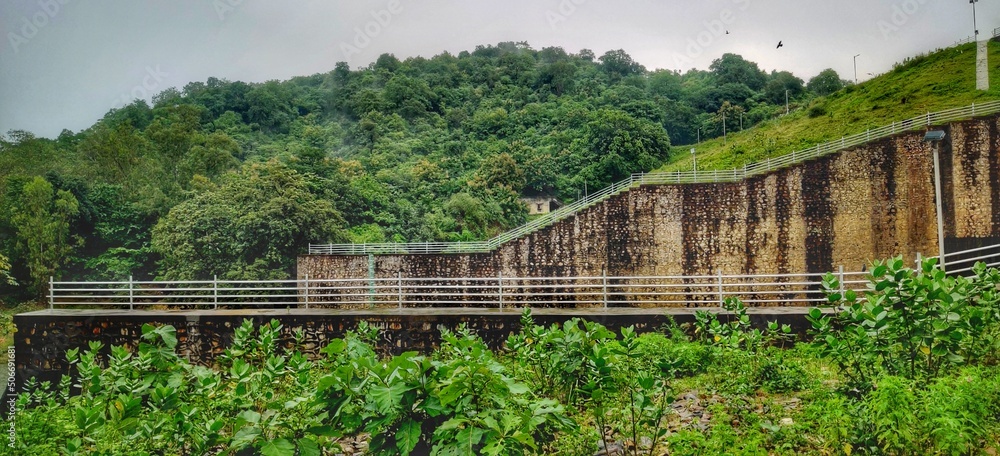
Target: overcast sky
65,63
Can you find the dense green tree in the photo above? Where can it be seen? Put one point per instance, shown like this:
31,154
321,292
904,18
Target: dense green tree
825,83
557,76
781,83
622,144
734,69
42,220
116,154
5,276
666,83
618,65
251,227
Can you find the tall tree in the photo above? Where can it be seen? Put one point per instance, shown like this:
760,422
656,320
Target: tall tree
251,227
734,69
825,83
779,83
43,222
623,145
618,65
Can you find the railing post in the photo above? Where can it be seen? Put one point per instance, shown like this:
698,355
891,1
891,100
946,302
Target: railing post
371,277
500,288
842,289
928,118
52,293
131,295
215,292
307,291
722,299
973,109
399,283
604,281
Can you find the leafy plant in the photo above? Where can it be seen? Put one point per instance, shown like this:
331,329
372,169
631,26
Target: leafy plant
909,323
554,360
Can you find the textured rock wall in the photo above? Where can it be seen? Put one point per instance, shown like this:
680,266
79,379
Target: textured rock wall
42,339
866,203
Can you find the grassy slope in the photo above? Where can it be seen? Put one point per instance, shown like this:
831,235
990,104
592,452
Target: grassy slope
942,80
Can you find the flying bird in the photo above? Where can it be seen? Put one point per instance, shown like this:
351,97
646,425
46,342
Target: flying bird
779,45
727,32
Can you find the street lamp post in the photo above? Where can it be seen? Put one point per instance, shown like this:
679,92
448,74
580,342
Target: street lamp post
856,69
982,57
934,137
975,27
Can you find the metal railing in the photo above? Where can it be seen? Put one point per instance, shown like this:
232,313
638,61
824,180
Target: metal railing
474,292
756,290
963,261
659,178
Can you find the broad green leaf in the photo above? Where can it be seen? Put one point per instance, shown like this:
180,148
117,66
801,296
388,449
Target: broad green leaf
245,437
308,447
386,397
407,436
279,447
325,431
247,416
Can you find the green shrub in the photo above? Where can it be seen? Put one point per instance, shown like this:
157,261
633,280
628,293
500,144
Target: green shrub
687,358
817,110
910,323
779,374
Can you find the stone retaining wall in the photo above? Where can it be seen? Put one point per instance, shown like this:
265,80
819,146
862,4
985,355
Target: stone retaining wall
870,202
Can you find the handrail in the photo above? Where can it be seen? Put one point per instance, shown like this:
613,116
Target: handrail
660,178
791,289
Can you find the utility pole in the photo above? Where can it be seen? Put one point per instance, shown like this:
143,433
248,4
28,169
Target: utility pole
856,69
786,102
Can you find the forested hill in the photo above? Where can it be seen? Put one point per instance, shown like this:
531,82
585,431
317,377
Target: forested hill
233,179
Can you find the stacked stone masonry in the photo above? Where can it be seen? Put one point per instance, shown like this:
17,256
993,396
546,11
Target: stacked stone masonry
870,202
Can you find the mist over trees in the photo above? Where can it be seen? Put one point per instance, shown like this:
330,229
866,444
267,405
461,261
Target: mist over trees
234,179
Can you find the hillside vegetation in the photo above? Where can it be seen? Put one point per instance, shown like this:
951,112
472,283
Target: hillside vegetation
942,80
232,179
